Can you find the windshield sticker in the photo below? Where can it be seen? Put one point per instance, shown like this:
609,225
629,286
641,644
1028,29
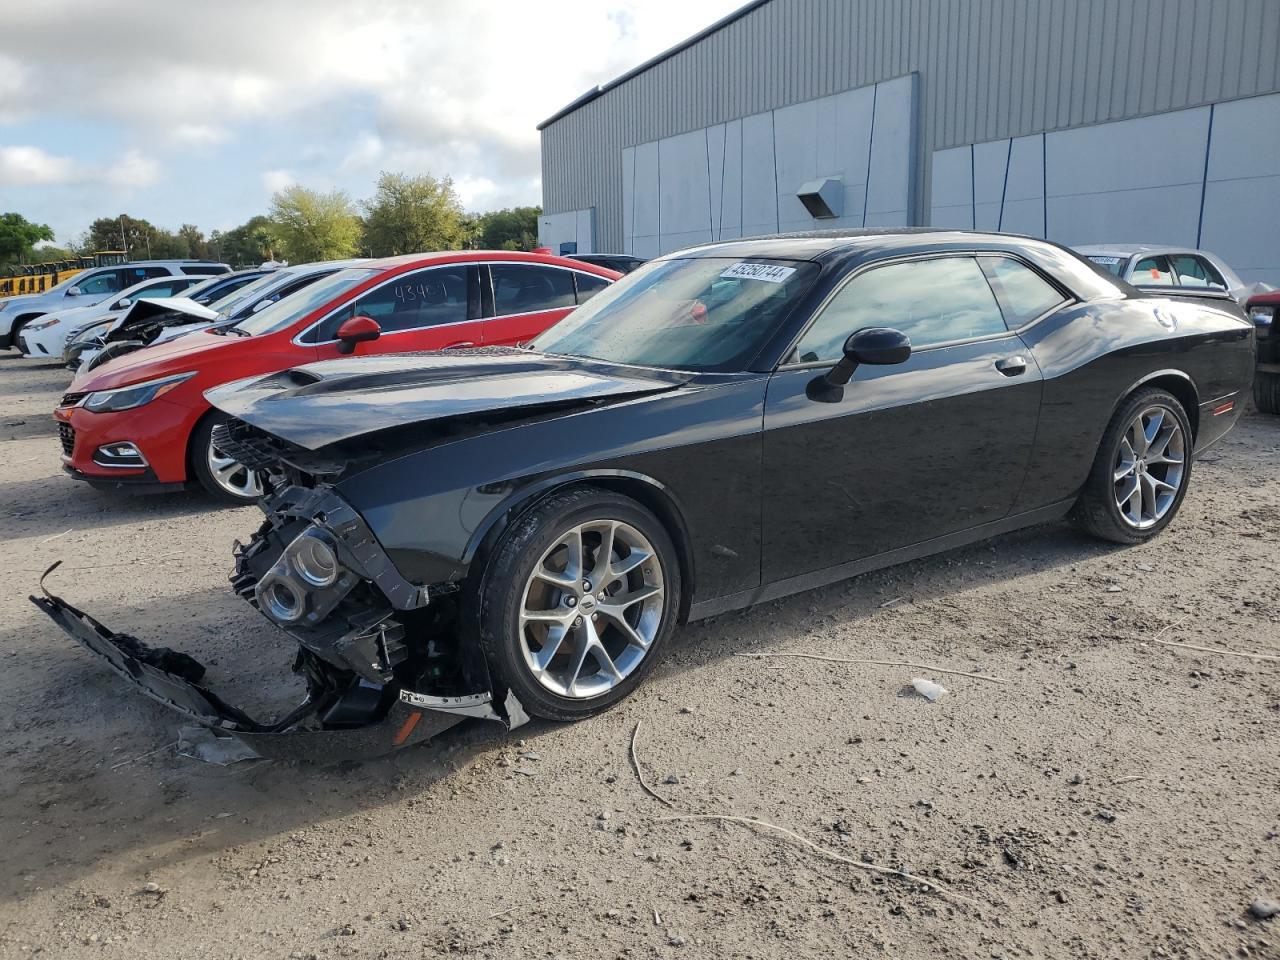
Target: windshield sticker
768,272
1110,261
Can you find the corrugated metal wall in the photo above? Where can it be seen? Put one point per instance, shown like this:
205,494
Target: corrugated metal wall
988,69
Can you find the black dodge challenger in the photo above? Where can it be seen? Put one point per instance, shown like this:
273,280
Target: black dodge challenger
514,532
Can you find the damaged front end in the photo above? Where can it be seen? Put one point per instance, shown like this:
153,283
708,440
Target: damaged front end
384,660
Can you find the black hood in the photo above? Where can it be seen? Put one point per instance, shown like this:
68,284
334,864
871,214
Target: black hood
323,403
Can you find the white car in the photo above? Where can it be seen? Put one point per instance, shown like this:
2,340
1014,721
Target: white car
92,286
44,338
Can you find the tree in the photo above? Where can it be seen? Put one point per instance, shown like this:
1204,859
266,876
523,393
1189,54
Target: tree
512,229
315,226
248,244
124,232
18,235
413,215
193,236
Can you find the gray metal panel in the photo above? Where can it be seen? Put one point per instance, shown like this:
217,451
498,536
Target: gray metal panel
989,70
1242,188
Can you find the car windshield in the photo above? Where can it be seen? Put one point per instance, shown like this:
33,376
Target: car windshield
237,298
703,313
1112,264
294,307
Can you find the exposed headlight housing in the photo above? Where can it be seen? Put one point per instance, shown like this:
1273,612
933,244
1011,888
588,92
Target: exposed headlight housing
307,582
126,398
44,324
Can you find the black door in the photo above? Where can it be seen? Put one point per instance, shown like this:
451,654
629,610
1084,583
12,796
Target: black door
910,452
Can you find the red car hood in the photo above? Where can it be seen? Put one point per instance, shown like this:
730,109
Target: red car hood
180,355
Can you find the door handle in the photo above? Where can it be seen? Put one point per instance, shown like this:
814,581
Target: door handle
1012,366
459,345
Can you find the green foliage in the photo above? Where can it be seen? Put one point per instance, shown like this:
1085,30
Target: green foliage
247,245
18,235
413,215
311,225
512,229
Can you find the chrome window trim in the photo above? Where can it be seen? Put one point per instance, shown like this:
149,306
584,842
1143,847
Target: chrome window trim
1069,299
493,294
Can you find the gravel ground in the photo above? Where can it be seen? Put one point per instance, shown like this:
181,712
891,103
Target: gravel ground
1117,797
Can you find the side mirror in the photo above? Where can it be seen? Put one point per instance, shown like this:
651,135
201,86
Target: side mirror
877,346
124,303
355,330
262,305
74,292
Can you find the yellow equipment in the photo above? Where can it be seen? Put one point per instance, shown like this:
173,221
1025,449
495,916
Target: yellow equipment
39,277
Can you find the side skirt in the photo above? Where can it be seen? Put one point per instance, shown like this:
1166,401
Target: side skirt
828,575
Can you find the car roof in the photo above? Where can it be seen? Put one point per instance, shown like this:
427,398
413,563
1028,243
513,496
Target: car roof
474,256
821,244
1129,249
301,269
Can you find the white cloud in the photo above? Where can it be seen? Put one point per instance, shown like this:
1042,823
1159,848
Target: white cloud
275,180
467,82
27,166
198,134
30,166
133,170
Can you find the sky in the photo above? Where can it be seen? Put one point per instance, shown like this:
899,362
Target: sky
197,113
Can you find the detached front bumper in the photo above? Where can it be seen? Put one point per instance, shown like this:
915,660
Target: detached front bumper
376,679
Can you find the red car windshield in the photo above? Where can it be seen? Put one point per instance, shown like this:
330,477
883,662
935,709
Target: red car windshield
284,313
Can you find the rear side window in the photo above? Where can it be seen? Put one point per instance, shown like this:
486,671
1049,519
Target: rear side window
106,282
1023,294
158,290
205,269
588,285
1152,272
931,301
1195,271
525,288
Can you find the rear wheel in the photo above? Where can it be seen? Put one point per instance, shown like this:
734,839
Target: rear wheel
221,475
1266,392
577,601
1141,472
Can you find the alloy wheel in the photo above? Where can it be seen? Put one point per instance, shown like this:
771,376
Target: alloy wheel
233,476
1149,467
591,609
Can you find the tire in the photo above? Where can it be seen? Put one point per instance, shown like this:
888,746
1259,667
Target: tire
203,470
1266,392
1098,511
514,585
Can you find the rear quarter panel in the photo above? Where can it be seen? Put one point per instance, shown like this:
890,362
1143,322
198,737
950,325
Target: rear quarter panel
1094,355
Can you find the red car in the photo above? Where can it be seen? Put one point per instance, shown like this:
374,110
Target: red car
141,422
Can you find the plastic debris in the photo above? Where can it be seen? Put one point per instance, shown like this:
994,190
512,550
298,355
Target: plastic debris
201,743
928,689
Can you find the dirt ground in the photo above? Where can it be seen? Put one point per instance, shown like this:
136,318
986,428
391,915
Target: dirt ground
1117,797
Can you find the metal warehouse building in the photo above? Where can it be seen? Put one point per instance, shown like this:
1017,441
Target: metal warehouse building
1083,121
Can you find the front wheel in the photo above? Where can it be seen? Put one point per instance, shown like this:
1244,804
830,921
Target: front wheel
1141,472
577,602
220,474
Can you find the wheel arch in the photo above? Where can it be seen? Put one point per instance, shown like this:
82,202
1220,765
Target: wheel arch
645,490
1176,382
188,461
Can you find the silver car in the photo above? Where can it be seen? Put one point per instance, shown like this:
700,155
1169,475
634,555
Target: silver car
1147,265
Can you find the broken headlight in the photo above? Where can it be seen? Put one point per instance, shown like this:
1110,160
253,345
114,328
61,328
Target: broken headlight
307,582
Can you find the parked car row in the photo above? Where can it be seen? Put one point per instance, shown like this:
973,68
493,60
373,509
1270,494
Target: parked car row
514,522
